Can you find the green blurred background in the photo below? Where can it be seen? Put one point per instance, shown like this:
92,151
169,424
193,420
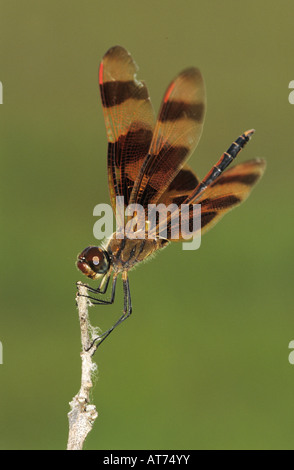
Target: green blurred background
203,361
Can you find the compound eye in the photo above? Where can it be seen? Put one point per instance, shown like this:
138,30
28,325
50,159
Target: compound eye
93,260
97,259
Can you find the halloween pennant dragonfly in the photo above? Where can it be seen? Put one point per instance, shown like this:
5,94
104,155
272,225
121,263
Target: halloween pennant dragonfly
147,165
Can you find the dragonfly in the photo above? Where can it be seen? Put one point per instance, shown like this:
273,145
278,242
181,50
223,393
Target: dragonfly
147,164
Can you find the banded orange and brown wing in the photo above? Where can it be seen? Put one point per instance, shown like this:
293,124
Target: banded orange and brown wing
180,187
129,120
176,134
227,192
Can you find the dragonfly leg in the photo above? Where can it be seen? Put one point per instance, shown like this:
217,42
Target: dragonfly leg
126,313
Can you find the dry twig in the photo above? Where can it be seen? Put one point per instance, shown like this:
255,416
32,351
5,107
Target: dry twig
83,414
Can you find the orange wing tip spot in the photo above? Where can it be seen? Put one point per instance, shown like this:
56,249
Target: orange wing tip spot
101,74
168,93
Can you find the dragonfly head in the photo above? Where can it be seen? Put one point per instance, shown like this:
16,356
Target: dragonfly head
93,261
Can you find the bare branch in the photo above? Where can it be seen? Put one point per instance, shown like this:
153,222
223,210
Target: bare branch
83,415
